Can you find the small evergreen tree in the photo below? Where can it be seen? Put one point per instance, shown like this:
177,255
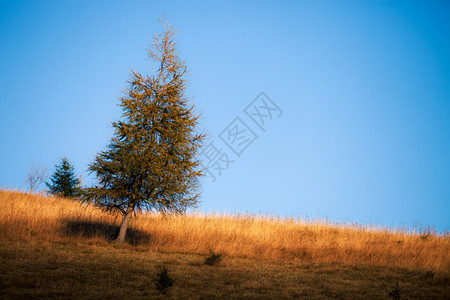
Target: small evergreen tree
64,183
151,162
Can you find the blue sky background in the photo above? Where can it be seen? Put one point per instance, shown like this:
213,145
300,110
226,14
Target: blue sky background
364,88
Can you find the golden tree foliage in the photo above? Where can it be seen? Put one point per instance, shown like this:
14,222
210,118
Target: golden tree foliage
151,162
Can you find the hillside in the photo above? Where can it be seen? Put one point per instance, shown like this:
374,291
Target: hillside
53,247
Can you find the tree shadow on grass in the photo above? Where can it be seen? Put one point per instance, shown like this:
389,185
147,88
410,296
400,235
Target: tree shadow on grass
109,232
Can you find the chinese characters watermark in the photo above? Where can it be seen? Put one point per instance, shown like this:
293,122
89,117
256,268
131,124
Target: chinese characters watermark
216,161
262,109
238,135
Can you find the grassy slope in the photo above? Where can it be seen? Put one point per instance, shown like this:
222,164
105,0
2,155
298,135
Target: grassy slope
55,248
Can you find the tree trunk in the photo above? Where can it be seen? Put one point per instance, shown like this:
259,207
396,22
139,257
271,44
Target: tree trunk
124,226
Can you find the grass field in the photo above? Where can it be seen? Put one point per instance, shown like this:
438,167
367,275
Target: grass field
54,247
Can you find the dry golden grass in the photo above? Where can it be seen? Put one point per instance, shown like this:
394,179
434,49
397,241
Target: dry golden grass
36,269
33,217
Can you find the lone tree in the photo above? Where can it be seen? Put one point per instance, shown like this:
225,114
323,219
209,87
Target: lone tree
35,177
151,162
63,182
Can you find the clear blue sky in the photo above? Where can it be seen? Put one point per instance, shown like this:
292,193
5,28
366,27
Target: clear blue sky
364,87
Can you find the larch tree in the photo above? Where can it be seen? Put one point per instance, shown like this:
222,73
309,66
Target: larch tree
151,162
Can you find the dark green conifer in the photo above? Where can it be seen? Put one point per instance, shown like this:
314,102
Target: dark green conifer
151,162
63,182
